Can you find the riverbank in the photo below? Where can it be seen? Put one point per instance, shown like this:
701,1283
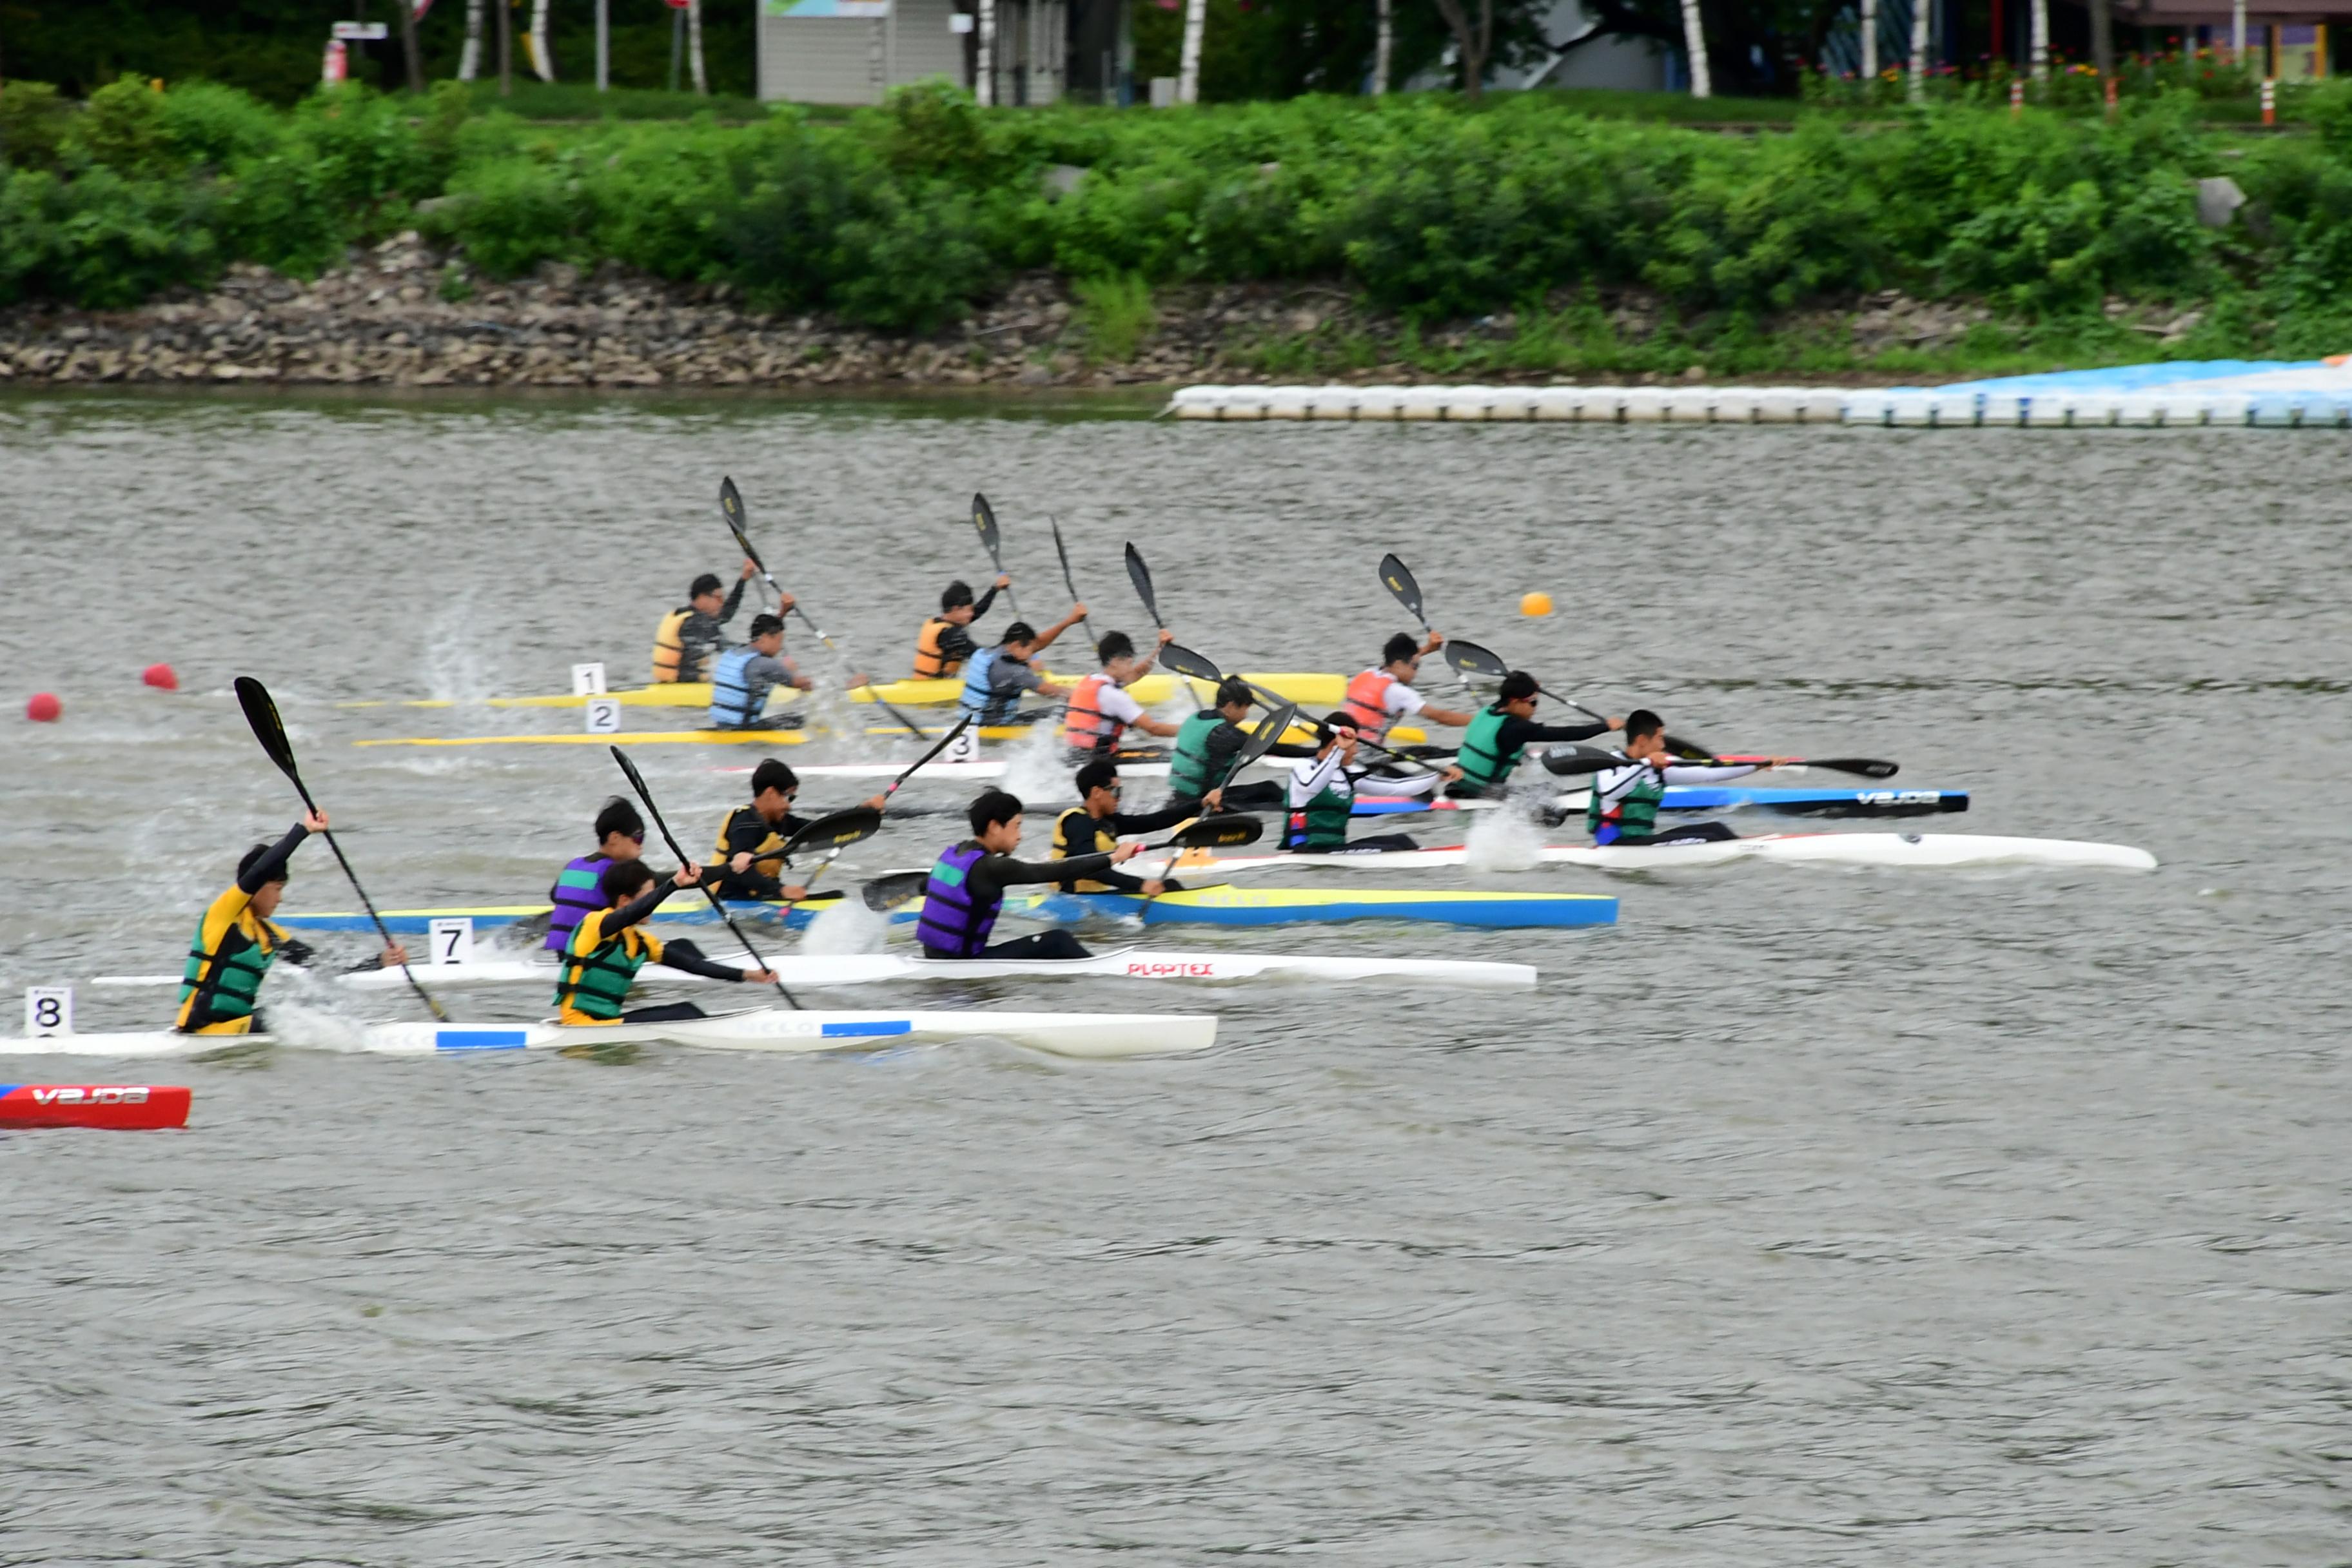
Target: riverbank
405,313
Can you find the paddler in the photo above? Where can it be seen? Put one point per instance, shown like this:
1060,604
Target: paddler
579,887
1096,826
743,677
1320,795
1100,711
1623,808
1201,772
945,641
1378,697
996,677
967,887
749,861
235,944
689,635
607,950
1501,733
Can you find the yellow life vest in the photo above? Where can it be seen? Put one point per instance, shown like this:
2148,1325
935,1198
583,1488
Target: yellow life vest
670,649
930,664
1093,839
768,859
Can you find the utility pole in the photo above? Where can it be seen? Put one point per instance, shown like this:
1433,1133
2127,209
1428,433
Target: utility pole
603,46
1383,45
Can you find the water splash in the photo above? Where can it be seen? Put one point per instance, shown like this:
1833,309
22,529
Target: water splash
1504,839
848,927
456,666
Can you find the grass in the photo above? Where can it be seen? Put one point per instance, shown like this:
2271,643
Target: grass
1115,315
576,100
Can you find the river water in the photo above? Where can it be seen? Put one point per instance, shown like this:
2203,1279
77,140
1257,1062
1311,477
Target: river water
1802,1218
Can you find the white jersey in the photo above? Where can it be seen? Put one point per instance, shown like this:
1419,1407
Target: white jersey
1611,785
1310,776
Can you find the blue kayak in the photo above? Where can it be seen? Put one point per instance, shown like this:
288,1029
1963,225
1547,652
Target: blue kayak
1233,906
1878,801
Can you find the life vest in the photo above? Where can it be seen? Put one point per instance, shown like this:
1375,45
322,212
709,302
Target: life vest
226,960
669,647
980,696
598,970
579,891
1320,821
1365,703
1624,809
1482,761
952,924
931,662
767,855
735,698
1088,728
1191,771
1076,833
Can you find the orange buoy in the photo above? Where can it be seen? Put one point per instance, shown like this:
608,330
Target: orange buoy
43,707
1534,605
161,677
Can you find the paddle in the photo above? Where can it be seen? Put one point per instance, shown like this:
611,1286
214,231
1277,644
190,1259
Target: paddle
1400,581
638,782
270,731
731,506
1592,758
1140,576
1067,581
944,742
983,518
1471,658
883,894
833,833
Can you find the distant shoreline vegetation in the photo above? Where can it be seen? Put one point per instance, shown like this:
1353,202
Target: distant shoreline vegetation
905,218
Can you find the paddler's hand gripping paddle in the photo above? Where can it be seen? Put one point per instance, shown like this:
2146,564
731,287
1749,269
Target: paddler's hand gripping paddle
638,782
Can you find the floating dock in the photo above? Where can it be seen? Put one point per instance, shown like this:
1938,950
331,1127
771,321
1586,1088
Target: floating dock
2267,394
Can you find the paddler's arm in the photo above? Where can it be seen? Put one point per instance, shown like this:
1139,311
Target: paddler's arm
686,875
271,867
1518,732
1005,871
980,607
685,957
1714,772
735,595
1077,613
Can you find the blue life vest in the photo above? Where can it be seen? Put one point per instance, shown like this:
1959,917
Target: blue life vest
579,889
952,925
978,694
735,698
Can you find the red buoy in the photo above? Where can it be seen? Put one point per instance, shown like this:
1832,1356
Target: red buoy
124,1107
161,677
43,707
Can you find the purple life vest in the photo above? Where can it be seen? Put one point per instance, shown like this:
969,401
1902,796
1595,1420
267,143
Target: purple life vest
579,889
953,926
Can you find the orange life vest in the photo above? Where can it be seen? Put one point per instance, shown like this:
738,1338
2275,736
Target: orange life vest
930,664
1366,694
670,649
1087,726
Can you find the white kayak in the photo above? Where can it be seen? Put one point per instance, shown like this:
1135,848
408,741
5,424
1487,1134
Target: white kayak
1937,852
815,970
988,770
765,1029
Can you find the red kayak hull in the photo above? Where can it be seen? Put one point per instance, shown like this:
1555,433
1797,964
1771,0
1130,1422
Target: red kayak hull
124,1107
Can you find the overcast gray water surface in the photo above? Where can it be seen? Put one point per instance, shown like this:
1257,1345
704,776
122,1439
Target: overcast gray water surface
1802,1218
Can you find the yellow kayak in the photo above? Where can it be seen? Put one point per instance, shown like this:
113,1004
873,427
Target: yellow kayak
1403,735
1308,690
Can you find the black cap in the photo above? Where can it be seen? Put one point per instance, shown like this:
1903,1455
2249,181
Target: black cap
764,623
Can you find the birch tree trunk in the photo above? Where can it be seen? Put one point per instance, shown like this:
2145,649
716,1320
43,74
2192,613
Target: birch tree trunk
1383,47
1919,15
2237,32
469,59
1188,66
1869,43
694,47
984,89
542,58
2042,40
1695,45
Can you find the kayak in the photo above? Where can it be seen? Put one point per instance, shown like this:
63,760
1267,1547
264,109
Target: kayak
417,922
121,1107
1940,851
1879,802
1290,906
1320,690
1295,735
763,1029
814,971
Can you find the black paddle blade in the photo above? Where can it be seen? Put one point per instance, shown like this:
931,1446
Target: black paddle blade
1864,767
1063,550
835,832
1140,576
1399,580
1219,832
637,782
739,521
1570,761
267,728
886,893
1470,659
1269,730
983,518
1185,662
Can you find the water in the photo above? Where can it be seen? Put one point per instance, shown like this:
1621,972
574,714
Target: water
1802,1218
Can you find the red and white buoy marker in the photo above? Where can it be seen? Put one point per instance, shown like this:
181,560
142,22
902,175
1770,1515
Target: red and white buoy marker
43,707
121,1107
161,677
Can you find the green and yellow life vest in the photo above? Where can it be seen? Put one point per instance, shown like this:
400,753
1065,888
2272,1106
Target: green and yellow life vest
227,958
598,971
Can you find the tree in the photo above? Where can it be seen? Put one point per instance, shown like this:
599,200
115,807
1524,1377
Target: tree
1694,50
408,45
1188,64
694,46
2103,38
1472,44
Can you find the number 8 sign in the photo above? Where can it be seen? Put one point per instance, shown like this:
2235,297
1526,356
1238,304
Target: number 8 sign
49,1010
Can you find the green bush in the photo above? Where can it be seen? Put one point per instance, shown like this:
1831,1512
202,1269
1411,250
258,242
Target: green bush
121,129
203,123
33,121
